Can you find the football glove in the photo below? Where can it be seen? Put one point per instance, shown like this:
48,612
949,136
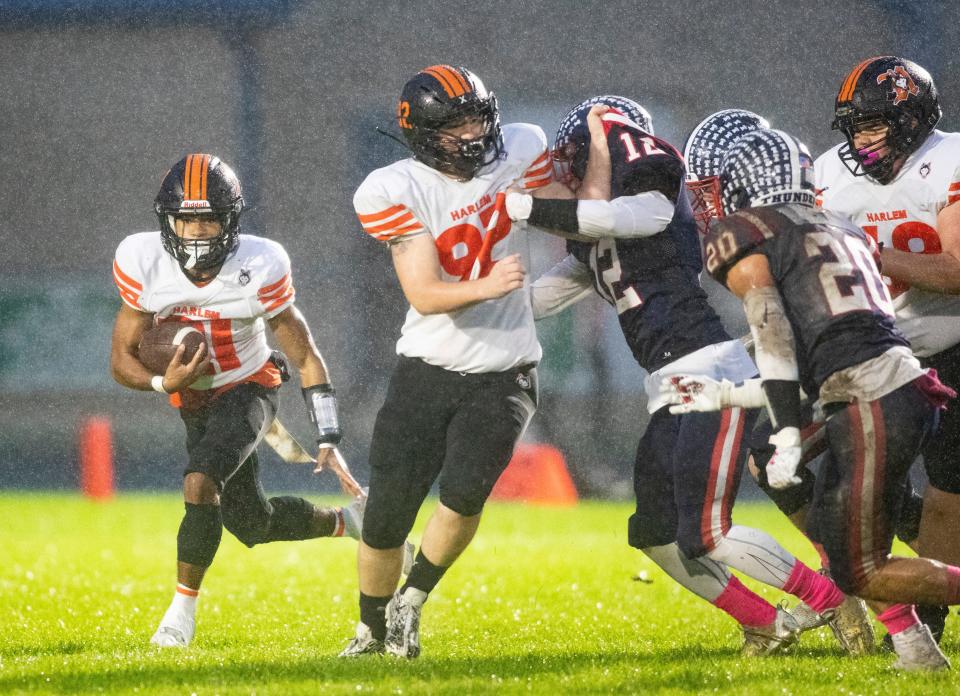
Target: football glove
782,467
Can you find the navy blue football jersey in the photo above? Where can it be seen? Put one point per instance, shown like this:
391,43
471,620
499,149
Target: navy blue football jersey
653,282
835,298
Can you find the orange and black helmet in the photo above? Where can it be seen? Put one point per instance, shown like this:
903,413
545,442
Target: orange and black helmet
200,186
885,90
442,97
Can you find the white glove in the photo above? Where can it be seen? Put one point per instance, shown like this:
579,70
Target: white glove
782,467
695,393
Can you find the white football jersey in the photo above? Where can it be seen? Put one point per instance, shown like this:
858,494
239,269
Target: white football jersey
472,231
254,284
903,215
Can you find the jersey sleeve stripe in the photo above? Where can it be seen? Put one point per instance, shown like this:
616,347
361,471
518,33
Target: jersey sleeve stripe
409,229
125,278
539,171
395,222
267,289
955,186
129,297
282,301
544,156
269,297
953,198
382,215
537,183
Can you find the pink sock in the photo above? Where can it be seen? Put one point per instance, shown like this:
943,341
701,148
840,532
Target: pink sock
818,591
898,618
746,607
953,585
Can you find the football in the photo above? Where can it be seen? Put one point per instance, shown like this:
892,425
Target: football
159,344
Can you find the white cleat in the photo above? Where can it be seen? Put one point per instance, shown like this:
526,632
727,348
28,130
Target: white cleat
403,623
774,638
177,633
363,643
917,651
808,619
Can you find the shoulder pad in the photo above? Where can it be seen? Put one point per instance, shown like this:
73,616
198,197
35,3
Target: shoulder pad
732,238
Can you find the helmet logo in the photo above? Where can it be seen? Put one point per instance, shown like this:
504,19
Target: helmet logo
903,85
195,204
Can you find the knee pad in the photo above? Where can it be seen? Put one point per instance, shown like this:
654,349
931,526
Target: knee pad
291,519
249,524
199,535
644,533
463,504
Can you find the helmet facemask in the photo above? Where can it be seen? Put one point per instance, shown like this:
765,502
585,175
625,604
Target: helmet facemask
903,136
197,255
705,200
461,157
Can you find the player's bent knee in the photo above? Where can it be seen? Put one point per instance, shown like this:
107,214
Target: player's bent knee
463,504
199,535
250,526
383,539
643,533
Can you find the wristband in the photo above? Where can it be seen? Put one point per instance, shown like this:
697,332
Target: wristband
157,383
321,400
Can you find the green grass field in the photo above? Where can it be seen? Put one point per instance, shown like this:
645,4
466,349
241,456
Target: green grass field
544,601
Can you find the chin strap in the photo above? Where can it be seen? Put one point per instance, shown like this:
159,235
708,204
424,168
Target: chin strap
392,137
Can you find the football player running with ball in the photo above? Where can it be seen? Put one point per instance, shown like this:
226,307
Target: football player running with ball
821,316
464,386
898,178
633,238
198,269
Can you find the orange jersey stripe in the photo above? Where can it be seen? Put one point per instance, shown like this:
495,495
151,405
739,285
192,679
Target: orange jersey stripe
281,301
125,278
282,290
537,183
953,199
130,298
540,171
542,158
382,215
266,289
955,185
384,236
395,222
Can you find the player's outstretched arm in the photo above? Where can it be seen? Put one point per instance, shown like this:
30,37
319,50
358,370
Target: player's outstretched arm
293,336
418,268
934,272
125,365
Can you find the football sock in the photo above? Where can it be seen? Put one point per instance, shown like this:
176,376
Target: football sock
746,607
338,524
818,591
953,585
373,612
185,599
424,575
755,554
898,618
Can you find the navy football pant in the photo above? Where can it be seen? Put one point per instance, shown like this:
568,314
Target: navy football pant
686,477
861,483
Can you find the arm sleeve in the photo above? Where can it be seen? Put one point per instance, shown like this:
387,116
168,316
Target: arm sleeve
563,285
775,355
277,294
626,217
